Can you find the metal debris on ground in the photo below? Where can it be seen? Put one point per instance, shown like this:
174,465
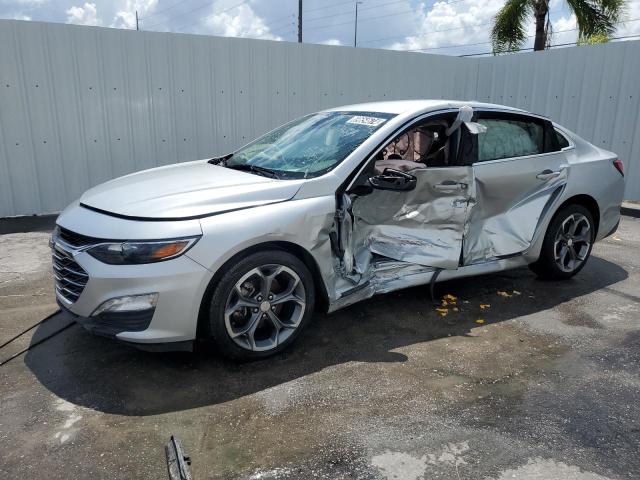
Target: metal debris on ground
177,461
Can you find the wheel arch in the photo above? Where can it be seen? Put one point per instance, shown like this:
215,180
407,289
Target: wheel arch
588,202
322,297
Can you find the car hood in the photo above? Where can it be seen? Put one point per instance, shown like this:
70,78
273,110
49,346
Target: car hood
187,190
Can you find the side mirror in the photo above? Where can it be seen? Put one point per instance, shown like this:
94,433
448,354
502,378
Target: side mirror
394,180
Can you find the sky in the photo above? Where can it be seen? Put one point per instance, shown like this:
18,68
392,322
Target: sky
449,27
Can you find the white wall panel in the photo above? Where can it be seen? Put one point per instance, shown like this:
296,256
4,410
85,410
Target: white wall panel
81,105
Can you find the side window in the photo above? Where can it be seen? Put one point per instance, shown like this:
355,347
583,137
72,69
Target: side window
423,145
562,140
510,137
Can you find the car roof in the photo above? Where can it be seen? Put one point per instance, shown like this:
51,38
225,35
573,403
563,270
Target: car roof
418,106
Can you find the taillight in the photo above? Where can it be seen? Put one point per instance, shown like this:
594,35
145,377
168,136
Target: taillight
619,166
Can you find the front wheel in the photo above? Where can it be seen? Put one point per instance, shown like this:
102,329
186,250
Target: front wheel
567,244
261,305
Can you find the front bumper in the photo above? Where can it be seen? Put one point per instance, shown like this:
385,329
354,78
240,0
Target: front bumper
180,284
111,324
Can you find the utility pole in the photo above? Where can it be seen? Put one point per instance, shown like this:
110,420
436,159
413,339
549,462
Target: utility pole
137,26
299,21
355,33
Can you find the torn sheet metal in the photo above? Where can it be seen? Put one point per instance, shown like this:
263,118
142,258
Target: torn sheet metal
423,226
177,462
390,275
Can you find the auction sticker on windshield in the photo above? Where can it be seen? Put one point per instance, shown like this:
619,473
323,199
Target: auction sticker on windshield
362,120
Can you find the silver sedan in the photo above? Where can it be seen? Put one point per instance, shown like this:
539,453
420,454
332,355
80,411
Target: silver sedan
327,210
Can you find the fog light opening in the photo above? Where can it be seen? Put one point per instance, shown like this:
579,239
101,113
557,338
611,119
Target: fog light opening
129,303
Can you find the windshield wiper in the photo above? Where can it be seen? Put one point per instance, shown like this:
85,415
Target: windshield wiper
265,172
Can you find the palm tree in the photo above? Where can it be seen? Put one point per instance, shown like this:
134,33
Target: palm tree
594,17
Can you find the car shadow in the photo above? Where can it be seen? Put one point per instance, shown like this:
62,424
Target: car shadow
105,375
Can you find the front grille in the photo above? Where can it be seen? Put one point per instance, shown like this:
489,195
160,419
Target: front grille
70,277
74,239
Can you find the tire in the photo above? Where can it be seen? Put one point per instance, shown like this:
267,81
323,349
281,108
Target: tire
565,253
260,305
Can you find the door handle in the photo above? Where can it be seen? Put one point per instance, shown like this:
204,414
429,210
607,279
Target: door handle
450,186
547,174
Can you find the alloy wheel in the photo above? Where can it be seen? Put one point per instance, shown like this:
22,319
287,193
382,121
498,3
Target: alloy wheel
572,242
265,307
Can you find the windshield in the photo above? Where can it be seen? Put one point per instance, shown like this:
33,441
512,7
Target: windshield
311,145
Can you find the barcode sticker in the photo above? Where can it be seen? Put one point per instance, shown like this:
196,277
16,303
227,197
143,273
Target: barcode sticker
362,120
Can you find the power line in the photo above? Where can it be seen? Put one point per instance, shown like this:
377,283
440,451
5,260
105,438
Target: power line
404,12
200,8
279,20
316,27
374,7
552,46
328,6
165,9
444,30
291,23
462,28
487,43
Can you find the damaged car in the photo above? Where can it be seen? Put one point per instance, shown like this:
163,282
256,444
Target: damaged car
327,210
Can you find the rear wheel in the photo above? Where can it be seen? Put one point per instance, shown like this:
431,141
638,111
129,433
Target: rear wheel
261,305
567,244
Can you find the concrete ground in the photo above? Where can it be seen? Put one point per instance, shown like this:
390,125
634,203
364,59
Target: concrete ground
546,388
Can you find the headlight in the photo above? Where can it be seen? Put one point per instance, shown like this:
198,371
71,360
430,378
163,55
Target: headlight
131,253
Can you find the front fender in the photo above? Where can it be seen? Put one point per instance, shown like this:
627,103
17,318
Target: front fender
306,223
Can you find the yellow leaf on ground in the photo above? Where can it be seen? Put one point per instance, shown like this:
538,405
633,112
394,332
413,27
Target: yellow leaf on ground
480,321
484,305
450,297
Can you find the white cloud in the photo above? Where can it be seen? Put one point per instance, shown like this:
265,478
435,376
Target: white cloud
241,21
21,16
630,27
564,30
330,41
87,14
463,22
126,15
469,22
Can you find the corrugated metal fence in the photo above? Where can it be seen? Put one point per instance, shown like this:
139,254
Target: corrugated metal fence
81,105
